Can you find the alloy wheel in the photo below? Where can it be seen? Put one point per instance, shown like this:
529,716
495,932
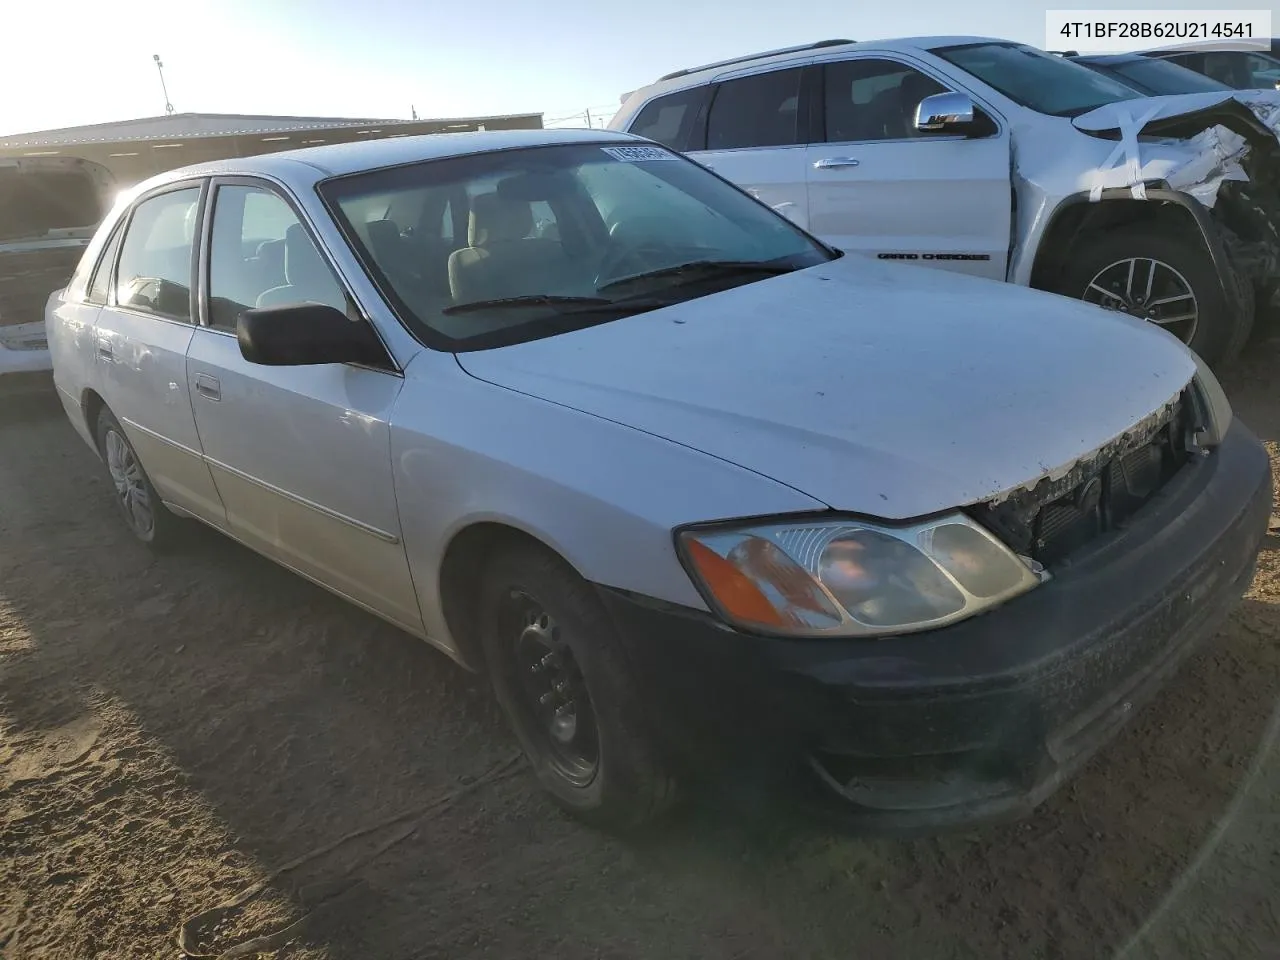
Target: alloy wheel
131,485
1150,290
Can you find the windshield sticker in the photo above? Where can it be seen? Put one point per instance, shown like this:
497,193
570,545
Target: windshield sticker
634,154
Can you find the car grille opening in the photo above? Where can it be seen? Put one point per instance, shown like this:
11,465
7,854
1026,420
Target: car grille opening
1058,517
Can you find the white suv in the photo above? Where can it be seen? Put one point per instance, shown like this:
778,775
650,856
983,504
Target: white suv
999,160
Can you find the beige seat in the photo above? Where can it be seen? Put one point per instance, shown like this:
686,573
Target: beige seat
501,259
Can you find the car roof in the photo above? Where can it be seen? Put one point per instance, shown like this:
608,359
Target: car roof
1212,46
692,76
311,164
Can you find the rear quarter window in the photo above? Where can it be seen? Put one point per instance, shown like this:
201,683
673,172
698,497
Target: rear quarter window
671,120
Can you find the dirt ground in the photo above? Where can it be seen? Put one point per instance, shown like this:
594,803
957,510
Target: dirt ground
174,730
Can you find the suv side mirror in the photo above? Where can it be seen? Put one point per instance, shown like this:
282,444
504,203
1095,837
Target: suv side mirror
946,113
300,334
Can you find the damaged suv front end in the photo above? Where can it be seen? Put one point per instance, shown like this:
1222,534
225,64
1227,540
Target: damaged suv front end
1164,207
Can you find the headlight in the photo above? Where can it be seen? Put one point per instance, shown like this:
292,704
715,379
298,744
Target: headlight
852,577
1217,407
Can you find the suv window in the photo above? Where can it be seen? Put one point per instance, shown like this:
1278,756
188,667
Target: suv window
874,100
1241,70
260,256
101,282
670,119
762,110
154,275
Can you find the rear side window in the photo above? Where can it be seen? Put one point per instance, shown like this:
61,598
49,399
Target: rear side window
154,275
670,119
757,111
101,282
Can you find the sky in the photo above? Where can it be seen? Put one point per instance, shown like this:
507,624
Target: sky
70,62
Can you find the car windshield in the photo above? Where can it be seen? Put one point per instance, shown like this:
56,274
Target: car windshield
489,249
1160,77
1037,80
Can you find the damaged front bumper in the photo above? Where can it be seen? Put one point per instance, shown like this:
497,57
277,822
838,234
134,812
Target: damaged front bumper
977,721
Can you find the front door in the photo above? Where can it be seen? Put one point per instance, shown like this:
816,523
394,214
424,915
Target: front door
140,347
880,188
301,455
755,138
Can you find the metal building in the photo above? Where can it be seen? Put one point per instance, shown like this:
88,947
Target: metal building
135,149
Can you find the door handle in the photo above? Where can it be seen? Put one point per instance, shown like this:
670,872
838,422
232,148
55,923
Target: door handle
104,349
208,387
831,163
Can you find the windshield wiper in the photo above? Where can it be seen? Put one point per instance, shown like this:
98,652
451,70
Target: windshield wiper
712,267
531,300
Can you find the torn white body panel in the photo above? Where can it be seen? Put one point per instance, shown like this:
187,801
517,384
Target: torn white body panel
1051,166
1197,166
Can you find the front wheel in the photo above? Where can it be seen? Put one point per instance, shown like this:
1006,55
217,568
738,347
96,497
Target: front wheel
558,671
1166,280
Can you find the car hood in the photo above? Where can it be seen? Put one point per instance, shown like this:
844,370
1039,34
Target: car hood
880,389
1261,103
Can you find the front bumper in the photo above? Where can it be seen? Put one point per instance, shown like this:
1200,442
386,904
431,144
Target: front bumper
981,720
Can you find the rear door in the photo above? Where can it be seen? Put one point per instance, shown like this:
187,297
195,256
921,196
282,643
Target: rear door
878,187
140,345
755,131
301,454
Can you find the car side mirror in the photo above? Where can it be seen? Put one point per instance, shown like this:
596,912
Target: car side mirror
948,112
300,334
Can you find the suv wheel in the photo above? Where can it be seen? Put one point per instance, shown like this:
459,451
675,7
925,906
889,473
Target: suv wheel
1166,280
557,669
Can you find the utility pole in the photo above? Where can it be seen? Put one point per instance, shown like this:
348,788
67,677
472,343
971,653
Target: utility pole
589,123
413,111
168,107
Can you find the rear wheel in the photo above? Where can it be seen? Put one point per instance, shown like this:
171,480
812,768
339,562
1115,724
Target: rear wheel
557,669
1166,280
147,518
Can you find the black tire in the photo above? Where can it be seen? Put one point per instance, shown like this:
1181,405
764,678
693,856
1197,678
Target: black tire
1219,330
628,786
163,529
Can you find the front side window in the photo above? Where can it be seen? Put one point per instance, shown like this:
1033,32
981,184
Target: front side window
762,110
669,120
874,100
1037,80
566,236
154,273
261,256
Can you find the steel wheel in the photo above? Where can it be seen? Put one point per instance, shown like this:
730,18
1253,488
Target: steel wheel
1149,289
553,692
131,485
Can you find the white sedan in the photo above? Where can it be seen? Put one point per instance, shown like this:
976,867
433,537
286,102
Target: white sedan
700,494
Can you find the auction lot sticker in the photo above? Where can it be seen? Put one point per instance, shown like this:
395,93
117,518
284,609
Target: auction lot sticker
632,154
1122,31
